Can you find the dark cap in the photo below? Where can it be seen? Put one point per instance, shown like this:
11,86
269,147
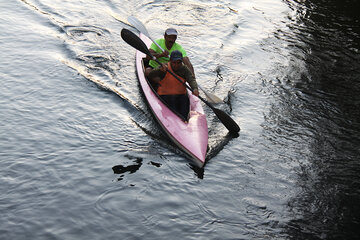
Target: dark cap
171,31
176,55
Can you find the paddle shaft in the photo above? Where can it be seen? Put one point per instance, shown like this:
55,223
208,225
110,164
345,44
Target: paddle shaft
187,86
141,28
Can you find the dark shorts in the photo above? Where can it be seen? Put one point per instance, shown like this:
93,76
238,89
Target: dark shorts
179,103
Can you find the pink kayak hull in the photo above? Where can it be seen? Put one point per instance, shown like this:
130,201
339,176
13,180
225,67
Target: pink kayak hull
191,137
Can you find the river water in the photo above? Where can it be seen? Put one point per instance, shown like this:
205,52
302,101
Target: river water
81,157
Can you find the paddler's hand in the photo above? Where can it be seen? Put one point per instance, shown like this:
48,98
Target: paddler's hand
196,92
164,54
156,80
163,67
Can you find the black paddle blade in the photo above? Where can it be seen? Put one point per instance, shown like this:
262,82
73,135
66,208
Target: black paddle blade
133,40
228,122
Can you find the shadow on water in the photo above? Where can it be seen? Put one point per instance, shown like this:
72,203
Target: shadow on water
121,169
326,109
199,172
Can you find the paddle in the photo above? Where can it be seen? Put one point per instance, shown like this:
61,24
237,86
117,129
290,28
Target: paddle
141,28
134,41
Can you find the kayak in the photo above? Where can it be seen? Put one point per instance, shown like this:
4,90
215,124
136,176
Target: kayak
190,136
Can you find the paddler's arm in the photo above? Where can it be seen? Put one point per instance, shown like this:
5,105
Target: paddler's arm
187,62
190,78
158,73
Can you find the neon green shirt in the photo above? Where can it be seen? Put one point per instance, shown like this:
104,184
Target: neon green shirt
161,42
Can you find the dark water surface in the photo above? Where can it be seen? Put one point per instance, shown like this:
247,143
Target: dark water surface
81,157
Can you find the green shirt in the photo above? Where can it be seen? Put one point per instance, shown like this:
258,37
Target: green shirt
161,42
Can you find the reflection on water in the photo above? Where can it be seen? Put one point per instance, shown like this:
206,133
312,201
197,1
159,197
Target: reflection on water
322,112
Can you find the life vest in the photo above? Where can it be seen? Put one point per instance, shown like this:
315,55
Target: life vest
169,85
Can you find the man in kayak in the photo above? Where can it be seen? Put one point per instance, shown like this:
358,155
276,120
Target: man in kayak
169,44
170,89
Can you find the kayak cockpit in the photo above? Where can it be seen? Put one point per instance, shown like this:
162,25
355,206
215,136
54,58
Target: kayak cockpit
185,116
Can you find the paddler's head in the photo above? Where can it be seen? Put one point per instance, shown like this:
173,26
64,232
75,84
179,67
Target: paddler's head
170,37
176,60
